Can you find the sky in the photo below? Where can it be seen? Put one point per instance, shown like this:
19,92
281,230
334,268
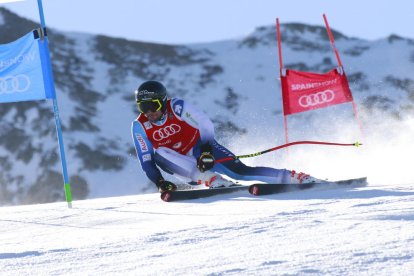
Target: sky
189,21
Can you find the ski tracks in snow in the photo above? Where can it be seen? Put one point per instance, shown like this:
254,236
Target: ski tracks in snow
368,230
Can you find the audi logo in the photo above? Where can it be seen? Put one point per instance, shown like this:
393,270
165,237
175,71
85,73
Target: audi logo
166,132
317,98
12,84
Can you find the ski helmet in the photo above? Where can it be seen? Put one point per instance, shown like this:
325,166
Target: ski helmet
151,96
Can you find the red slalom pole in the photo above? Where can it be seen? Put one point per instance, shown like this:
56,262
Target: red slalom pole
279,45
356,144
331,38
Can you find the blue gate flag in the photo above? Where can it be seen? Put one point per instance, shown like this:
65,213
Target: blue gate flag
24,70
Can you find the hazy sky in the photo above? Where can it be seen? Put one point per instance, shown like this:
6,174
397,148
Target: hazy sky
188,21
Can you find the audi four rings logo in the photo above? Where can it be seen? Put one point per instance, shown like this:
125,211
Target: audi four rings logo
166,132
12,84
317,98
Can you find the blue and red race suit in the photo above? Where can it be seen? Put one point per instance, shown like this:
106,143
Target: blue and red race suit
173,144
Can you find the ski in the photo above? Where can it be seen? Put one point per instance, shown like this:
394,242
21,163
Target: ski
267,189
169,196
256,189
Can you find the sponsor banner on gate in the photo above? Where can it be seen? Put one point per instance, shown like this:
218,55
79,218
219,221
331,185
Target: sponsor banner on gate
21,75
303,91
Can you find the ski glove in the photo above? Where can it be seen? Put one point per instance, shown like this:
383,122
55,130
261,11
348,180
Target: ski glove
206,160
166,186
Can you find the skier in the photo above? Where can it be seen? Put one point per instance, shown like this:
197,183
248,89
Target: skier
174,136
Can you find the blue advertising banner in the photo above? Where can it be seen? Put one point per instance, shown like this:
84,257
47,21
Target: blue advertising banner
26,75
22,76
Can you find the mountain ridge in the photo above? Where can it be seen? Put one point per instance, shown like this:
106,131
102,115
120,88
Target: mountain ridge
234,81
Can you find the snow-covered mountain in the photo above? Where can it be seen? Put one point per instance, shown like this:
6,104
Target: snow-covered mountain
235,82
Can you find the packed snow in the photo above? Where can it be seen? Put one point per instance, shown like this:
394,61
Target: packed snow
345,231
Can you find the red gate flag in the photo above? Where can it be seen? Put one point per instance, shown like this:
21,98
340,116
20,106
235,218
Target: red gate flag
303,91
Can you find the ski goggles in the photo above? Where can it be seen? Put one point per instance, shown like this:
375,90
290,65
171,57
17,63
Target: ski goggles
151,105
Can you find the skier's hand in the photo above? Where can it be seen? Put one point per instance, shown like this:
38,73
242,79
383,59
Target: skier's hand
166,186
205,162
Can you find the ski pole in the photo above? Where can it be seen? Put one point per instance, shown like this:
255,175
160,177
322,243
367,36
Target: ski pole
356,144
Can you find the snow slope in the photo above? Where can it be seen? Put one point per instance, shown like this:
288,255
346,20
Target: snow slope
352,231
